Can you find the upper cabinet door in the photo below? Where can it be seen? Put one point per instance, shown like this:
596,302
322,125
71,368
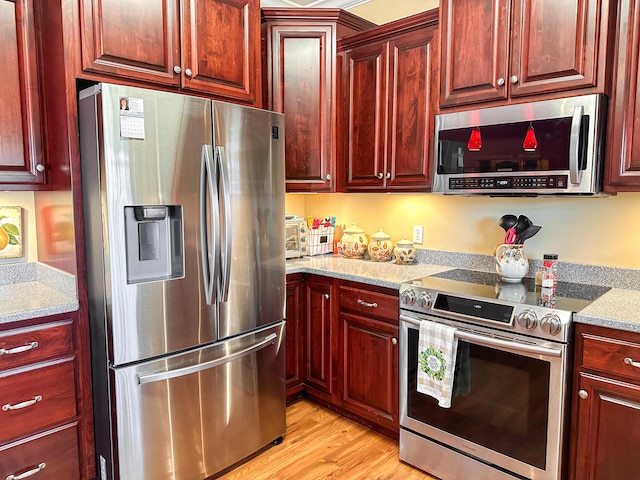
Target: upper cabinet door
366,108
413,67
623,137
136,40
220,47
554,45
303,88
21,134
475,47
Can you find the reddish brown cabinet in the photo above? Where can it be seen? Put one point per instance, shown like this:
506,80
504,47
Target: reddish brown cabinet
369,354
295,336
348,362
22,160
300,82
623,137
320,335
389,102
205,46
606,405
526,47
44,425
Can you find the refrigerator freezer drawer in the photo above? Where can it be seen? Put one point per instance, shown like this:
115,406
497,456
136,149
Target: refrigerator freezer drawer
191,415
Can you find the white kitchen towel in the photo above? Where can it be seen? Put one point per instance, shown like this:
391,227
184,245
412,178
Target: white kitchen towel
437,345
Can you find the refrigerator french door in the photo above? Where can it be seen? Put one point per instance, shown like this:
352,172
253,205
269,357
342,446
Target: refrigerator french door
183,211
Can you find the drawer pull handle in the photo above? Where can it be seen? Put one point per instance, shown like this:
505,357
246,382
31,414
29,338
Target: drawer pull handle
367,304
18,406
24,348
629,361
28,473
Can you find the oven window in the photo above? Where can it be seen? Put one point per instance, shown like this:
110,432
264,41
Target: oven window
501,401
502,148
291,238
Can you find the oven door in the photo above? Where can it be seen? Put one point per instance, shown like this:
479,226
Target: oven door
508,401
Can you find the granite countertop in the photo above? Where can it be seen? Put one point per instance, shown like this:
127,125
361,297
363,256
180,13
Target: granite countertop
381,274
32,290
619,308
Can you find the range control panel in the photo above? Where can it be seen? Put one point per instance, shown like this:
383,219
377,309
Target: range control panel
508,183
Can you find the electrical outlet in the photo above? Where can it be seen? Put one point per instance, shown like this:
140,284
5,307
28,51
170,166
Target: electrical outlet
418,233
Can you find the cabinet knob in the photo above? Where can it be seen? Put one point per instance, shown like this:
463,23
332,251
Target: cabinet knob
394,341
187,72
500,81
328,177
177,69
583,394
387,176
39,167
513,79
326,296
380,175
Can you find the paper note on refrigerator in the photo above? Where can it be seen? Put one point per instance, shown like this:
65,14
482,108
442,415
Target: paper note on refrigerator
131,117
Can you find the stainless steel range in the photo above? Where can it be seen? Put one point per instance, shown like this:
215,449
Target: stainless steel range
508,415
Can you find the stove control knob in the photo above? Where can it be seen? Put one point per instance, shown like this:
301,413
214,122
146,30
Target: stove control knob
527,319
408,297
424,300
551,324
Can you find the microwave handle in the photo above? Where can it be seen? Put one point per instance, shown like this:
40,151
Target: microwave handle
575,174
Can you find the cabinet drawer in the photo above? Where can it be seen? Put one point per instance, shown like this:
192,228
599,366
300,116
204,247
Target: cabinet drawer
53,455
33,344
608,355
36,397
369,303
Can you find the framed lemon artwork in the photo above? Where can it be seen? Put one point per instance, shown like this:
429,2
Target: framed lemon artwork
11,232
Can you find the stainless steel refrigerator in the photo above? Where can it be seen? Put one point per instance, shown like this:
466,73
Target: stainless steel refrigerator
184,233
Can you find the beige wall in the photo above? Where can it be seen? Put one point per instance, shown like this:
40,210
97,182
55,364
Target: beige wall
384,11
599,231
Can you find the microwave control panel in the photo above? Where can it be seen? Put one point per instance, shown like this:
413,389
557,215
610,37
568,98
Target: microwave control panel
508,182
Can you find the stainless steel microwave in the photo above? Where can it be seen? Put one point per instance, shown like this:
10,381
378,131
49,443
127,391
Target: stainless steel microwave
550,147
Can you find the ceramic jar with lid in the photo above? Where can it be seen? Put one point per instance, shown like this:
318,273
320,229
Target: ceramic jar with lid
380,247
354,242
405,252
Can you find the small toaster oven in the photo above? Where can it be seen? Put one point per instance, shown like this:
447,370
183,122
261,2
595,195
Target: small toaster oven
296,236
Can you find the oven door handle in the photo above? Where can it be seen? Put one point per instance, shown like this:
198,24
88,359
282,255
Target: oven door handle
496,342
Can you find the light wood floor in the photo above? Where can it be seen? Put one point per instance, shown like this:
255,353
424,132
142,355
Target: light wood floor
320,444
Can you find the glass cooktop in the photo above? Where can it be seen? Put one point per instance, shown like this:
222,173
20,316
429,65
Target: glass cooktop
567,296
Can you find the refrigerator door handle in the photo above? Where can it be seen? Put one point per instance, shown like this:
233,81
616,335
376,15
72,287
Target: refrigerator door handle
181,372
226,227
209,253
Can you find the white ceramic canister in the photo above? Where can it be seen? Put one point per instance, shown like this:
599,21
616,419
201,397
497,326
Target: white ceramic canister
405,252
380,247
354,242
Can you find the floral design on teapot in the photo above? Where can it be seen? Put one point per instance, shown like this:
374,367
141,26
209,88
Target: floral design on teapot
380,248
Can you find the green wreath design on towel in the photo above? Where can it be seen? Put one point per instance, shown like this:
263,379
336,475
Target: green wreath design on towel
432,363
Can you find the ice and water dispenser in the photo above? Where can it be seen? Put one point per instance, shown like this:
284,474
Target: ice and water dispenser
154,242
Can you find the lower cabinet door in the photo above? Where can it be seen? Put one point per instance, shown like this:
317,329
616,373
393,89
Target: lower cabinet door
608,429
52,455
370,369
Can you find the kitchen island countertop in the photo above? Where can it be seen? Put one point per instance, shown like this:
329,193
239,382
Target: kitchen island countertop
618,308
